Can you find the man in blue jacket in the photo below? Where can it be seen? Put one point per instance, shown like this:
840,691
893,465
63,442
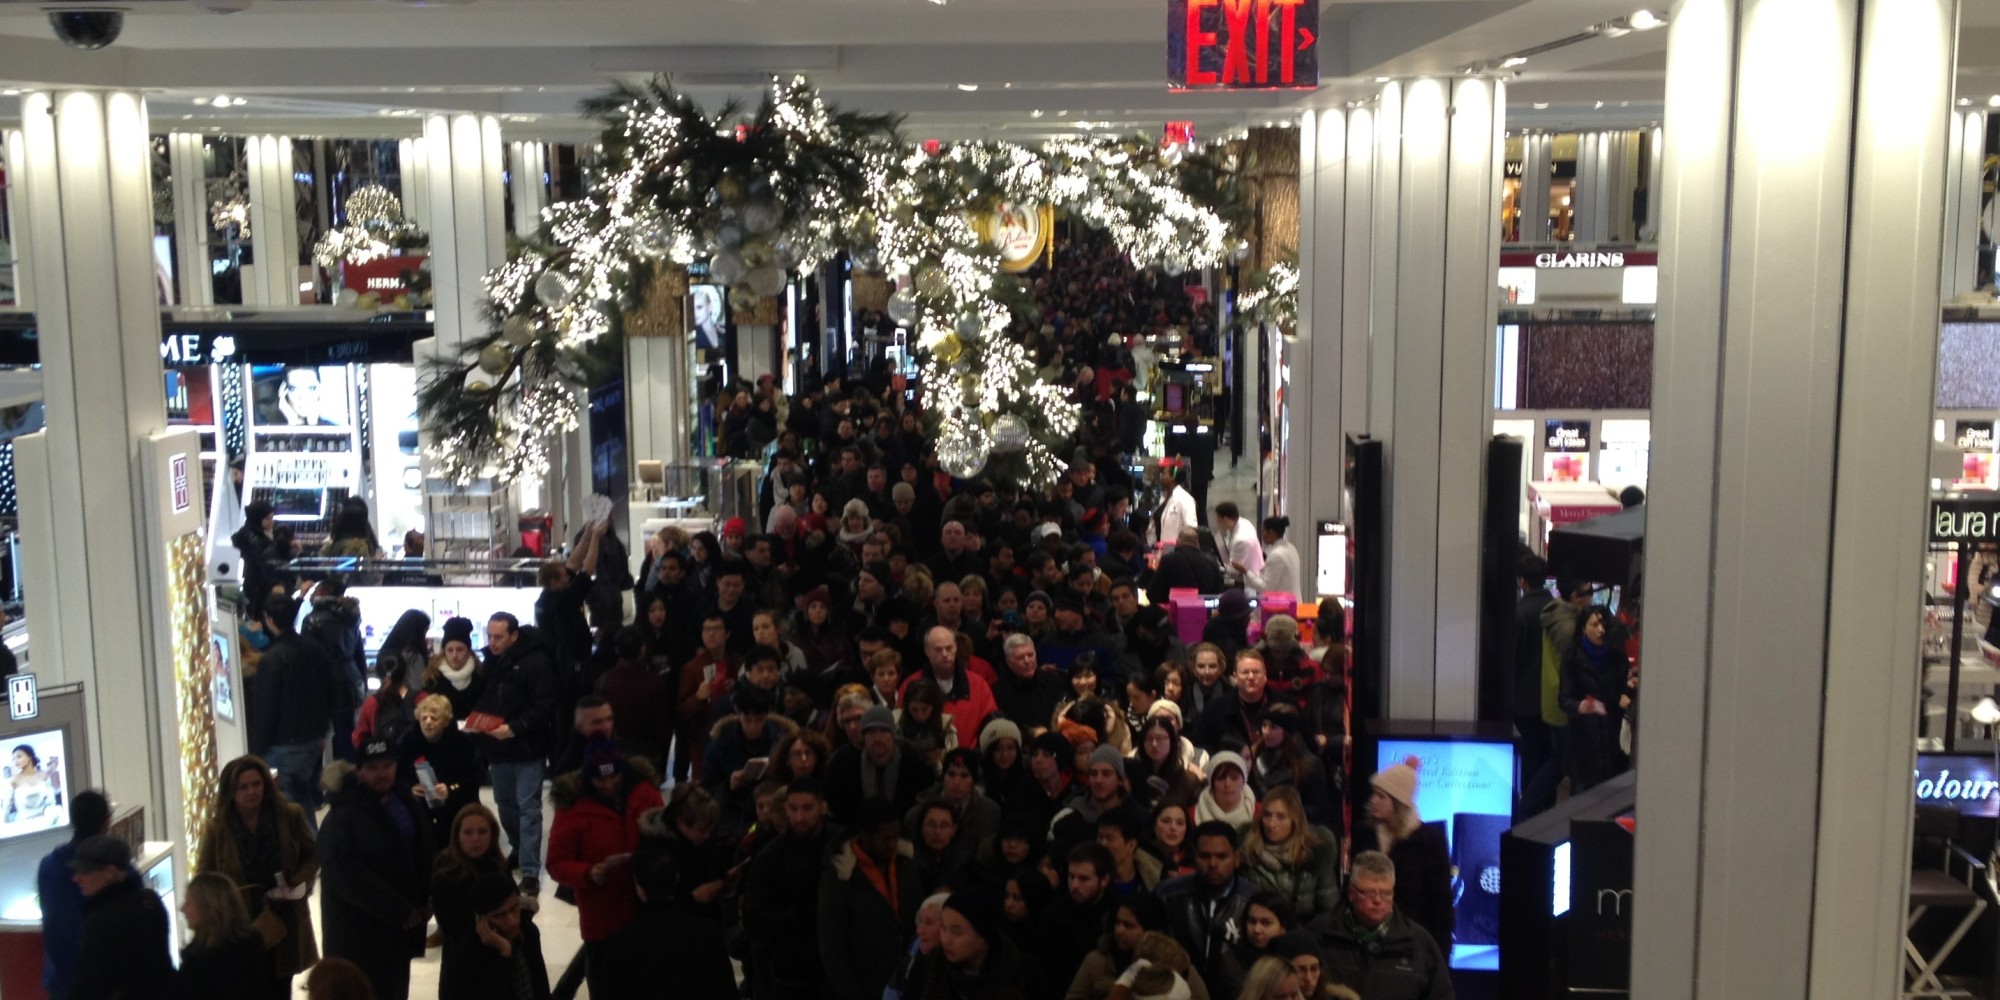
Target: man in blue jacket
62,900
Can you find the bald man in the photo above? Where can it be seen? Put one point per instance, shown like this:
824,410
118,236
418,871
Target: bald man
968,699
1185,565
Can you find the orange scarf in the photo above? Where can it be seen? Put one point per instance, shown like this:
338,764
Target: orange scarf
884,883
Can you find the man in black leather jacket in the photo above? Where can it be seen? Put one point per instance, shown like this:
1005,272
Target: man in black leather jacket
1205,910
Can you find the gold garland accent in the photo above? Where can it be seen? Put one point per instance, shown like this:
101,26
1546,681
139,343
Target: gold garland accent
194,694
662,312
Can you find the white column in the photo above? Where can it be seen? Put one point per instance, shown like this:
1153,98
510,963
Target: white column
188,173
528,164
1967,155
1446,230
1650,232
1799,241
18,236
463,166
98,610
415,181
1535,166
656,398
274,223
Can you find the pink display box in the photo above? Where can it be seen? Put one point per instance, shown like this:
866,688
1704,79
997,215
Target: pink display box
1188,615
1276,602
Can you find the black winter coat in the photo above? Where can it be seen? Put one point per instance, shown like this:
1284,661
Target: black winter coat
371,876
293,698
843,780
1403,964
862,939
781,911
1423,877
1028,703
335,624
239,968
663,941
124,951
520,688
474,971
1206,940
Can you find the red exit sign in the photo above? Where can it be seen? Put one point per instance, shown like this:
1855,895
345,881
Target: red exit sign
1242,44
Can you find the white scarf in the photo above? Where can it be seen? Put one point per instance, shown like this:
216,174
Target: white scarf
461,678
1245,813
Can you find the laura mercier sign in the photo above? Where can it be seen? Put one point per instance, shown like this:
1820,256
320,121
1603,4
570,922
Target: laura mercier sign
1964,519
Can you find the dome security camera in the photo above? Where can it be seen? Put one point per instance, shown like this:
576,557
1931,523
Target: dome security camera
89,28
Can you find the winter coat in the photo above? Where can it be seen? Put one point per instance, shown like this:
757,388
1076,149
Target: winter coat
1068,932
727,752
454,761
695,865
1100,970
452,907
1312,885
1009,975
1527,688
1184,569
1206,938
373,876
781,911
630,964
124,951
978,818
335,624
696,715
62,918
1029,703
586,831
294,697
1423,877
559,614
968,704
1596,672
520,688
1225,719
298,858
1271,770
643,704
862,937
844,787
462,699
1183,786
237,968
1402,964
474,971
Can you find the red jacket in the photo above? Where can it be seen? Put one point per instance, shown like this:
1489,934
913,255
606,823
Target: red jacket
586,832
968,704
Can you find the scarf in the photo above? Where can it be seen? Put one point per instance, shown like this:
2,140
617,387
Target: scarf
884,882
462,678
880,782
1245,813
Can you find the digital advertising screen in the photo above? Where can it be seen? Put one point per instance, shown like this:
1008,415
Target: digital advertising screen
1467,786
301,396
36,781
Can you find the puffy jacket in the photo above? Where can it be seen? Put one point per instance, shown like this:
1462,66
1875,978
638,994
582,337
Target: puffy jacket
520,688
335,623
862,938
586,831
294,697
781,910
1312,885
727,752
1402,964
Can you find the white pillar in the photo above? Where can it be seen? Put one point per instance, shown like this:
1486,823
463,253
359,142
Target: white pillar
1535,167
1799,241
274,222
99,608
463,164
415,182
188,173
1967,156
528,166
18,236
1447,145
1650,231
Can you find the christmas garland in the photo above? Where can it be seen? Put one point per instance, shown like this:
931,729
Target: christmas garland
1272,296
375,228
788,187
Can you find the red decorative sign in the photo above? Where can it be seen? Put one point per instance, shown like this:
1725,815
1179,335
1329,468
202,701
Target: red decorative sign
1242,44
1180,133
383,275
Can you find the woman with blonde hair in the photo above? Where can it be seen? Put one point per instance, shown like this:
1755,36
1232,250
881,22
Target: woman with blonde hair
227,957
1272,978
257,838
1287,854
1423,862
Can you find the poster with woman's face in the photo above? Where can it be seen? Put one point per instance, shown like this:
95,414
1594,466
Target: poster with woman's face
35,782
705,316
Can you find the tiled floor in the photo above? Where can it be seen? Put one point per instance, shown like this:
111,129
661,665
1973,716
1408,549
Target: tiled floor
561,938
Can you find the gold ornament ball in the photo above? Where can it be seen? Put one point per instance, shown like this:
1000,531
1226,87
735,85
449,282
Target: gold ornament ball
369,300
948,349
742,299
494,358
401,303
756,254
969,381
518,330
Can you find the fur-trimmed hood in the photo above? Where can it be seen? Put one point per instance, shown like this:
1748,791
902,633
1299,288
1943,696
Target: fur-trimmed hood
843,861
780,727
566,789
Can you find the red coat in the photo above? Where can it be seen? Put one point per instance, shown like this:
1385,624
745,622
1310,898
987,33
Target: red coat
586,832
968,704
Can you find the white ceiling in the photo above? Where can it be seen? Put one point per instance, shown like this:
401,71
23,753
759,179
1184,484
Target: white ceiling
344,67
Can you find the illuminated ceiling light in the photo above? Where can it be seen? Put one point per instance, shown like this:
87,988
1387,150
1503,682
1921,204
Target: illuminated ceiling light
238,101
968,87
1600,104
1381,79
1994,101
1062,114
1965,102
1037,113
1512,61
1645,20
1541,105
220,101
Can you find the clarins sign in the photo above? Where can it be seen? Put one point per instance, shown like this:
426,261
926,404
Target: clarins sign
1607,258
1565,260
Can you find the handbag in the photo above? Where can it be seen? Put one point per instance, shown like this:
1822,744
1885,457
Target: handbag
270,927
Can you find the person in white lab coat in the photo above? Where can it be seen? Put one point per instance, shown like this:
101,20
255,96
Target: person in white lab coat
1281,561
1238,542
1178,511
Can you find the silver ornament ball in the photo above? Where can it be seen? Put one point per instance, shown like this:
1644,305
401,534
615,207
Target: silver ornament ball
1010,433
554,289
728,267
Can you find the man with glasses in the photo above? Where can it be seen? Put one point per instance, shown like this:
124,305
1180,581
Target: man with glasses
1366,946
515,724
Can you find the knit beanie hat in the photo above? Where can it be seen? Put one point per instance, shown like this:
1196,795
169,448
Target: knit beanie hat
997,730
983,908
902,491
1076,733
602,760
1108,754
1399,782
1227,758
458,630
1169,708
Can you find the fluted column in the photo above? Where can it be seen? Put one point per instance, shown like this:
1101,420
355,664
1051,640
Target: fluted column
188,173
274,222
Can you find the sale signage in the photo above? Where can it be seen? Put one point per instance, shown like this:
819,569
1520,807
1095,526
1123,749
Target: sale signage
1242,44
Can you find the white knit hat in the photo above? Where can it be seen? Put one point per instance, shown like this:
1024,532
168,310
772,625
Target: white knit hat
1400,781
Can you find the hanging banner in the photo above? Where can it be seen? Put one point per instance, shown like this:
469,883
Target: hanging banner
1242,45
